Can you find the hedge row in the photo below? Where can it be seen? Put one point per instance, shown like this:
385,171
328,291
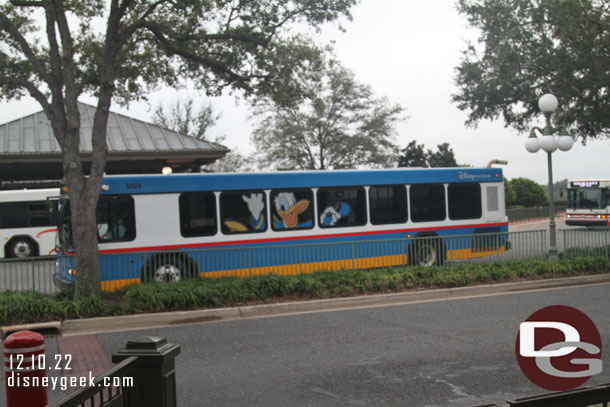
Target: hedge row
20,307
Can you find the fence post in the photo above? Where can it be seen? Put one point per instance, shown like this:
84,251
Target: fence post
155,372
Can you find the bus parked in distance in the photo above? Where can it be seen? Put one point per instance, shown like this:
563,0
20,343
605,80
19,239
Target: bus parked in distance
26,223
182,225
588,202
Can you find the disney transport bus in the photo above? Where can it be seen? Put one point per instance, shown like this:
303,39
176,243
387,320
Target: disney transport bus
26,223
588,202
168,227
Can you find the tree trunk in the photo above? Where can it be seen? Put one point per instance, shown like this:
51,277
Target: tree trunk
83,192
84,227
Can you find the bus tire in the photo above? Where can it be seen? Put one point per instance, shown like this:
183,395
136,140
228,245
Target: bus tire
168,268
426,252
22,247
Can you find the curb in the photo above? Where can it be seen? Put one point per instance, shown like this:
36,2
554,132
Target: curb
177,318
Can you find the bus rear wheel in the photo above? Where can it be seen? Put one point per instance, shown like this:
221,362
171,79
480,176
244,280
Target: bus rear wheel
169,268
426,252
22,247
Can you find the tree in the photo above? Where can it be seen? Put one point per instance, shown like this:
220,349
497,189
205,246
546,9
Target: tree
528,48
339,124
243,45
443,157
414,155
183,117
526,192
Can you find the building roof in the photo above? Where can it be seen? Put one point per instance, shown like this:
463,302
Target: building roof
29,151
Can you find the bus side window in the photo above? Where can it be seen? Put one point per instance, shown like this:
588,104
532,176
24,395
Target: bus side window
14,215
291,209
464,201
341,206
115,219
243,212
38,214
388,204
427,202
197,214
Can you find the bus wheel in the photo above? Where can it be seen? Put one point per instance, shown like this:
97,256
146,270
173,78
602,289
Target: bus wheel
169,268
22,247
426,252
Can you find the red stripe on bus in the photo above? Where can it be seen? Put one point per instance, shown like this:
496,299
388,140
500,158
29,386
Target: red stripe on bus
292,238
46,231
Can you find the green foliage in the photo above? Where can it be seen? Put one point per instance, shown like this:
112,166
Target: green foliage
525,192
338,124
528,48
18,307
414,155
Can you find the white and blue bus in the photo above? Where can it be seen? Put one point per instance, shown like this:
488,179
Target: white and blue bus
168,227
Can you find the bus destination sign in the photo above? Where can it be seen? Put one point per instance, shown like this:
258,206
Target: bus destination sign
585,184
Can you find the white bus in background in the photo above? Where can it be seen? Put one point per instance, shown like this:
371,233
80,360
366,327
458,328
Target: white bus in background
26,223
588,202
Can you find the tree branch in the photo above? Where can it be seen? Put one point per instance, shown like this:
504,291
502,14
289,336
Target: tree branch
216,66
7,25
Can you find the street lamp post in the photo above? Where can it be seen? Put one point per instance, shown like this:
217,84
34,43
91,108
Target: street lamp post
549,143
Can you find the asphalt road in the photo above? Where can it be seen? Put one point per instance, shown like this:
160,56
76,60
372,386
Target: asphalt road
447,353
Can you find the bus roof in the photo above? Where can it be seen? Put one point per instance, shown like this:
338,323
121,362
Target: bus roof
148,184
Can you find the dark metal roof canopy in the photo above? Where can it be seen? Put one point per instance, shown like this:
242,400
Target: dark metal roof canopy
30,152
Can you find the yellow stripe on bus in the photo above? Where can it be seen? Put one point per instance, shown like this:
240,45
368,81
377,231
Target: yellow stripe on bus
308,268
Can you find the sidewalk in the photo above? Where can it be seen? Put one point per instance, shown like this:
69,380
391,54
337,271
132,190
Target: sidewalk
82,356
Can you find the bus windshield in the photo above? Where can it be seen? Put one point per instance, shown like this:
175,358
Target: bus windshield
64,229
586,198
115,222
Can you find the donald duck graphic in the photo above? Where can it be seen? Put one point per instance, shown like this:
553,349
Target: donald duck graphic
288,210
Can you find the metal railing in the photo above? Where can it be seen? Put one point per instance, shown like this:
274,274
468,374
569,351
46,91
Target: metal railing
119,270
122,269
587,242
28,274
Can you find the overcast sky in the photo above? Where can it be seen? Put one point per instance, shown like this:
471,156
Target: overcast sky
406,50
